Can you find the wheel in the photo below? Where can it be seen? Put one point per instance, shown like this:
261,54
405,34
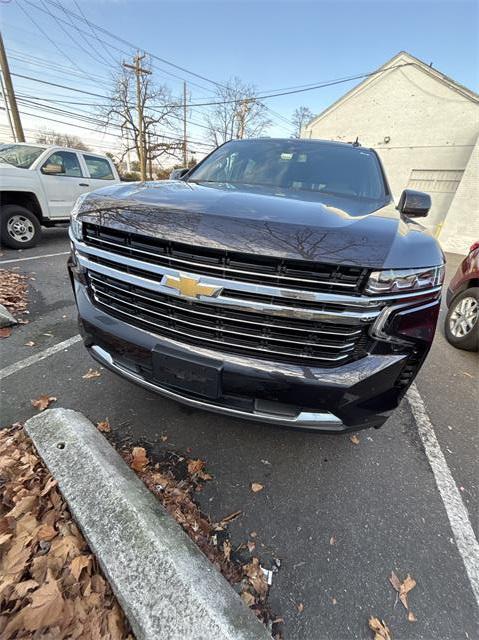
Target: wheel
462,320
19,227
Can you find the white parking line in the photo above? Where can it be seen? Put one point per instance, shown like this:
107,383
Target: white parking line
41,355
456,511
47,255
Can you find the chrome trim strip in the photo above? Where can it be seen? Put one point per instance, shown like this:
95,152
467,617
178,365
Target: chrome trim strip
346,334
190,263
229,344
338,317
304,419
266,290
342,347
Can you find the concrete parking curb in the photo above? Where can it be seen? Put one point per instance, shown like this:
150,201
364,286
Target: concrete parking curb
164,583
6,318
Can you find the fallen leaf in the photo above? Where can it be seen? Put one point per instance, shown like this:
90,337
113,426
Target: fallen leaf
251,546
256,486
354,439
104,426
411,617
22,588
78,564
5,332
467,374
43,402
91,373
380,629
46,607
227,549
332,540
300,607
163,438
403,588
247,598
334,601
30,343
195,465
140,459
253,534
46,532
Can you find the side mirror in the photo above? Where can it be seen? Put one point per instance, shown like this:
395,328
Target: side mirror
53,169
177,174
414,204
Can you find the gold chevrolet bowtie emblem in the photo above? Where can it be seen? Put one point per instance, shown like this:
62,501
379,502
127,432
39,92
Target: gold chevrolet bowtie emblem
191,287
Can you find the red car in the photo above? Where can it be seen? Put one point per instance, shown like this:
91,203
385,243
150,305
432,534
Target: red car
462,320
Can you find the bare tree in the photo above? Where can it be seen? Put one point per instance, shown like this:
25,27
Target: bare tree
147,115
237,114
301,117
46,136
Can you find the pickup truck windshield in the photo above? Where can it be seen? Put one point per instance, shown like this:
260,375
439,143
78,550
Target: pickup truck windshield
345,171
20,155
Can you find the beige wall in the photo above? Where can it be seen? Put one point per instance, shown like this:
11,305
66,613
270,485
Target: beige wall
429,125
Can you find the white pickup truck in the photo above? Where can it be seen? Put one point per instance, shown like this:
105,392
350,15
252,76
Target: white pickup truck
39,185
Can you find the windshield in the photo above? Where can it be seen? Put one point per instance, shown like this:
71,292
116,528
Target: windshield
20,155
324,167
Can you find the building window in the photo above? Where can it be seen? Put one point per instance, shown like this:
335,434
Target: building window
435,180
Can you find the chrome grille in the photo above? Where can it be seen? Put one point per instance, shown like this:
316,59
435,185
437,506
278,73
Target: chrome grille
214,324
230,265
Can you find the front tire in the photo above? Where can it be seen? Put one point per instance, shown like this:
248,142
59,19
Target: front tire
462,320
19,227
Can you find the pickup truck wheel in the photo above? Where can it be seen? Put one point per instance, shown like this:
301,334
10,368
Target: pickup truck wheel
19,227
462,320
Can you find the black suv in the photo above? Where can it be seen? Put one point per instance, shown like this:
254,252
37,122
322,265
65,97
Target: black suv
275,281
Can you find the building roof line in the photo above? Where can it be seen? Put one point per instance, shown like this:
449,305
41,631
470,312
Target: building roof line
392,65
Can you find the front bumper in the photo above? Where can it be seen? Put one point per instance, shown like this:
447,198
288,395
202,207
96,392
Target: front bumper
356,395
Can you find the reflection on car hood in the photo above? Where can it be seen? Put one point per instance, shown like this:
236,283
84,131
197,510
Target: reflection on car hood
266,221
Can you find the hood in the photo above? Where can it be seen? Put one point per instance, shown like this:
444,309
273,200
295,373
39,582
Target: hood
266,221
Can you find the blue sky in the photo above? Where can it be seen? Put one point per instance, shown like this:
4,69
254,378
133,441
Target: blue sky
272,44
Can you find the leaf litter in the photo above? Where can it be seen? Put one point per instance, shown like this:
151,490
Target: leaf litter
13,291
42,402
174,480
50,583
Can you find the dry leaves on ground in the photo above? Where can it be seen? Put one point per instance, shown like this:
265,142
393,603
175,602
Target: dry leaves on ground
13,291
174,480
380,629
403,588
256,486
30,343
50,583
91,373
43,402
354,439
104,426
5,332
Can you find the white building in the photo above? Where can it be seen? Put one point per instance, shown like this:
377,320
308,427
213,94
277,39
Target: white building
425,127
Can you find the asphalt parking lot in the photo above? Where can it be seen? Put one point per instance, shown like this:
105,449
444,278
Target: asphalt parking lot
378,501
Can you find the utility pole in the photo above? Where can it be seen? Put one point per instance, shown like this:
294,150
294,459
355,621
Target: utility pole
139,71
7,109
10,93
185,147
242,115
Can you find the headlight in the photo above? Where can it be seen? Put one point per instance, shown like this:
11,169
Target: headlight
404,280
75,224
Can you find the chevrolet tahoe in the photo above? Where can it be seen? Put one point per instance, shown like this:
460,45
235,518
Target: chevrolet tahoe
275,281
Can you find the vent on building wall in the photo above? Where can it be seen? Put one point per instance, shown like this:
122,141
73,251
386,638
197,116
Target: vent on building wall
435,180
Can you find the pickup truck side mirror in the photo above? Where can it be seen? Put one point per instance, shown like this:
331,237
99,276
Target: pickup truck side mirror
53,169
414,204
177,174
